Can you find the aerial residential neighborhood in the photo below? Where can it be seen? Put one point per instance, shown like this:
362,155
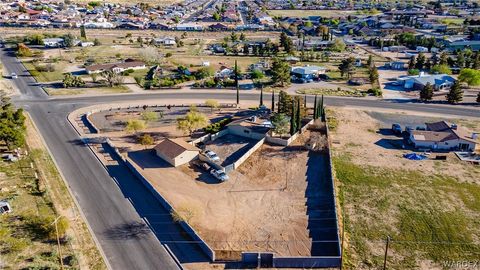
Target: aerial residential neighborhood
213,134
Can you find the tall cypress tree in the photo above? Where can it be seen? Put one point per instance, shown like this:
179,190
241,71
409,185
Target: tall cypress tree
315,116
83,34
320,109
273,100
261,95
455,94
236,82
293,123
297,116
305,101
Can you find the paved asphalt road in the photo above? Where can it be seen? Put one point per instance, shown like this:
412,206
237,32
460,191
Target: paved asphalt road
115,210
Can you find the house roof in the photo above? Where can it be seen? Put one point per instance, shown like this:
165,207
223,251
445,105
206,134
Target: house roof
442,131
307,70
172,148
437,79
124,65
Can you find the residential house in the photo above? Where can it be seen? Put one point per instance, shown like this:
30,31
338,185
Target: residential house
418,82
307,72
53,42
176,151
252,127
165,41
116,67
473,45
444,136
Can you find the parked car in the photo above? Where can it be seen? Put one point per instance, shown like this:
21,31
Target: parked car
219,174
396,128
409,129
421,128
212,155
323,77
202,165
14,75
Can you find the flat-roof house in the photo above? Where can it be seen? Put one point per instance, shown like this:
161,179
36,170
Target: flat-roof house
116,67
252,127
443,136
473,45
176,151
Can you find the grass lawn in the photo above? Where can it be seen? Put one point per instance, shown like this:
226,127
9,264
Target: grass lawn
453,21
56,75
139,73
79,91
429,217
331,92
306,13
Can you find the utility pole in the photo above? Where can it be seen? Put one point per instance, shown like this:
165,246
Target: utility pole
58,242
386,253
261,94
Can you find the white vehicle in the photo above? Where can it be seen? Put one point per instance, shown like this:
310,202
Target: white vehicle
14,75
219,174
211,155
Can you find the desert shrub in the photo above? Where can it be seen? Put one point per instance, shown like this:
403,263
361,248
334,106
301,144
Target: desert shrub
216,127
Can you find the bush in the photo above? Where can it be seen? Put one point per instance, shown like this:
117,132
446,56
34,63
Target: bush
413,72
375,91
168,54
216,127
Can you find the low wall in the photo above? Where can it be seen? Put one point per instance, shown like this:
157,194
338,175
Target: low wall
283,142
306,262
188,229
245,156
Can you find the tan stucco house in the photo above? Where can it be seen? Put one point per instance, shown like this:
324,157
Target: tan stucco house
176,151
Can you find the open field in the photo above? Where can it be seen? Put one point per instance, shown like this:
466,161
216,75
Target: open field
86,91
429,208
307,13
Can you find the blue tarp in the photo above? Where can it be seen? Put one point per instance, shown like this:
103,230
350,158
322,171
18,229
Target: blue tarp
413,156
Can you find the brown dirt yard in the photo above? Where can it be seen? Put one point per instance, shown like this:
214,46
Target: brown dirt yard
262,206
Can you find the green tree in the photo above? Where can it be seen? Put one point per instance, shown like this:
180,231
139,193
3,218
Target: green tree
470,76
441,69
273,101
427,92
338,45
23,50
150,116
373,74
83,33
455,94
411,63
12,125
72,81
280,72
286,42
146,139
112,77
421,60
293,122
298,118
135,125
68,40
370,62
285,102
192,121
347,67
281,123
236,82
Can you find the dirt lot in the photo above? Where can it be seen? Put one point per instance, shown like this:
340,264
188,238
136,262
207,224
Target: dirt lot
262,206
429,208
